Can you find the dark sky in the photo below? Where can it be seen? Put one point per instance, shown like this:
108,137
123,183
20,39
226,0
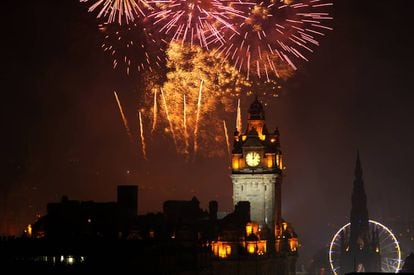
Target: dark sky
62,133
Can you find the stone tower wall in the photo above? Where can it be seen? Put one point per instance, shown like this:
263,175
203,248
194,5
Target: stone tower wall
259,190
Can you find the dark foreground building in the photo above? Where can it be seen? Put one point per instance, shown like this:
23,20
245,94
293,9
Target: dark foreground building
408,266
185,239
95,237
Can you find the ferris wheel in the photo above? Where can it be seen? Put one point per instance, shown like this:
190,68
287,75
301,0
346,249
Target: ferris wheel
389,248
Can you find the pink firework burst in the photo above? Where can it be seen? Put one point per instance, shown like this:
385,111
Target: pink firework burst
133,48
121,11
198,22
275,35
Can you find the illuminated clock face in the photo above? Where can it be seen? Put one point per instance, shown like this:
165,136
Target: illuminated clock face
253,159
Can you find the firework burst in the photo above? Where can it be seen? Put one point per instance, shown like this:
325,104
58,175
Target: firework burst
275,35
198,94
133,48
196,22
192,90
120,11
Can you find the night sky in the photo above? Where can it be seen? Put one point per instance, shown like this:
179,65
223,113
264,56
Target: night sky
63,135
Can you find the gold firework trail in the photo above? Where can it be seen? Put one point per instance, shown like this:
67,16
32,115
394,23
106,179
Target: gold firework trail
239,124
141,131
125,121
227,137
198,116
185,124
168,117
155,111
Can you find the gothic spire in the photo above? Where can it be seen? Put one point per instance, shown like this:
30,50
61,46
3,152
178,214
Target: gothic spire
359,211
358,169
358,192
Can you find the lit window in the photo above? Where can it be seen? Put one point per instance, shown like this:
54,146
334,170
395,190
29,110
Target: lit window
220,249
251,248
269,161
70,260
249,229
293,244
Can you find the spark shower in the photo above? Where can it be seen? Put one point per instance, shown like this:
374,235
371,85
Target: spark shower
199,57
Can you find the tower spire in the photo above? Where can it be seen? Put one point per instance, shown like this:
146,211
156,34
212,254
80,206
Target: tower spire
360,249
359,211
358,169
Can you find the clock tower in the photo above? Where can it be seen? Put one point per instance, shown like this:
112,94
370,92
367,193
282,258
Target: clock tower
257,169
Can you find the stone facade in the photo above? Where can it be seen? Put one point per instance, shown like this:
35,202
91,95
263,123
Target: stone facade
259,190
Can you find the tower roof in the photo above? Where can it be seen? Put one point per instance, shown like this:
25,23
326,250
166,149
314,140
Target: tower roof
253,139
256,111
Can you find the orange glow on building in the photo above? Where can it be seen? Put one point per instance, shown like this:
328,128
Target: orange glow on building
261,247
258,126
278,245
293,244
221,249
249,229
262,137
235,163
280,163
28,230
251,247
256,247
269,161
252,228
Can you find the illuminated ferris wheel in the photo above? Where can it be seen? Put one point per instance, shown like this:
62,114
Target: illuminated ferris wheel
389,248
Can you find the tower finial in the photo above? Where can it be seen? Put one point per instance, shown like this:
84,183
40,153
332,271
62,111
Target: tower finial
358,168
256,111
